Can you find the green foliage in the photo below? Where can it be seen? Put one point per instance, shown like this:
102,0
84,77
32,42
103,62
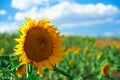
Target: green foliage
81,59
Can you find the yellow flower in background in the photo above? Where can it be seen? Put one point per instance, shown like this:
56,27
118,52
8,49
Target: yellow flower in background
118,46
86,48
113,69
100,55
114,42
2,50
39,43
70,62
96,43
105,69
90,55
73,49
21,70
77,50
96,51
69,51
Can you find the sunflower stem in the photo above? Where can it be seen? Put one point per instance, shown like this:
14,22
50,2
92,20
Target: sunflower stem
63,73
27,74
28,69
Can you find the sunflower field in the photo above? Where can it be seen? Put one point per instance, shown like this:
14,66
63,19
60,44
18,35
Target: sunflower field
85,58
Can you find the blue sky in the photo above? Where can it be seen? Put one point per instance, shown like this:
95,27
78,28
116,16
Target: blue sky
79,17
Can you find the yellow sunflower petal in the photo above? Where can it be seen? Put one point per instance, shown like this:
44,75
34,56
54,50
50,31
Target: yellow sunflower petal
39,43
19,45
40,68
47,64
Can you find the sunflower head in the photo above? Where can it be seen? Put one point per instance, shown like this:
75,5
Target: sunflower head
2,50
39,43
90,55
71,62
113,70
86,48
100,55
105,69
77,50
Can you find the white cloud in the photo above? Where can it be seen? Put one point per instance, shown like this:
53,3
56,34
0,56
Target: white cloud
3,12
27,4
83,23
8,27
109,33
67,33
67,14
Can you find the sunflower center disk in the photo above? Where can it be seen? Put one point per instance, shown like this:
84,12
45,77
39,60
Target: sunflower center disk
38,44
106,70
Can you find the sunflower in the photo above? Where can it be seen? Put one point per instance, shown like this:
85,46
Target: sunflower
100,55
71,62
77,50
39,43
113,70
90,55
2,50
105,69
86,48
